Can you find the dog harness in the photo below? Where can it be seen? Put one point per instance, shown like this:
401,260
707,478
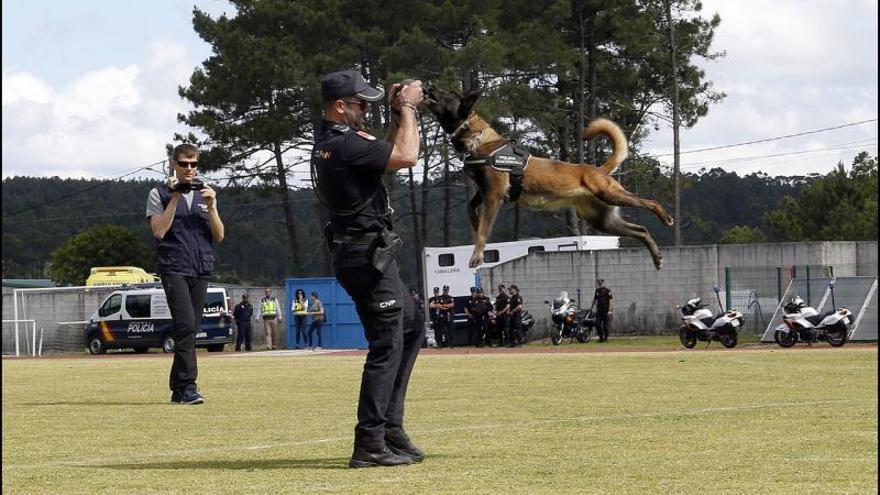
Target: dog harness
509,158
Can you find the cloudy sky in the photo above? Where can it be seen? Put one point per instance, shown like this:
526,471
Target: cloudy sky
90,87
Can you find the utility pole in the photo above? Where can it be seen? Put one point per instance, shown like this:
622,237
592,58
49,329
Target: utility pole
676,123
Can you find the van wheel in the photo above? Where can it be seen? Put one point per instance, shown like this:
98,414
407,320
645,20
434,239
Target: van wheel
96,346
168,344
141,350
215,347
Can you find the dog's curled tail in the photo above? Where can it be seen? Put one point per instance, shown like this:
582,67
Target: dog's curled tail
618,141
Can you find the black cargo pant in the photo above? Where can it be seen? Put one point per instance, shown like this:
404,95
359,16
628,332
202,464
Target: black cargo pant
515,326
244,335
602,324
380,300
186,301
480,324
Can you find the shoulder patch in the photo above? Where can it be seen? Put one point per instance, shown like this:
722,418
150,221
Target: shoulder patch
366,135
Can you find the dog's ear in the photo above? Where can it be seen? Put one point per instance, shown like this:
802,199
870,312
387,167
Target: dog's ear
468,101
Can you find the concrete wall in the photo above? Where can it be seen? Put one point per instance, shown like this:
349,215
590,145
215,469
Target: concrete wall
645,299
50,307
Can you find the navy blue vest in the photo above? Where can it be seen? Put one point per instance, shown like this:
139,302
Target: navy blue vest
187,248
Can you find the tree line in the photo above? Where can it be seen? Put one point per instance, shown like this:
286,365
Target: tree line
106,225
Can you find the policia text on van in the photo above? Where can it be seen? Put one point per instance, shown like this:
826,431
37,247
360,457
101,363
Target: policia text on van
140,319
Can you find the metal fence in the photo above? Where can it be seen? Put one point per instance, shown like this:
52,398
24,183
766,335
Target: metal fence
756,291
858,294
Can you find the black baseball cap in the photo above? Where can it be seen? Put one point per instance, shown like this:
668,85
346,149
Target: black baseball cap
445,287
344,83
436,289
473,289
479,290
514,288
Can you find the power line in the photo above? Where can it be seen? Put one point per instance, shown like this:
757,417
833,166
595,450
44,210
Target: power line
76,193
771,139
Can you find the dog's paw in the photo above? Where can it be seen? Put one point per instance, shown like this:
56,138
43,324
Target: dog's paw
658,262
476,260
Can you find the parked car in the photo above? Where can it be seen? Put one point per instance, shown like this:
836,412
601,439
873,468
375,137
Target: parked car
138,318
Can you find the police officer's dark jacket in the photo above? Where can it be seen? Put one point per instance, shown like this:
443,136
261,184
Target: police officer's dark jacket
501,302
243,312
349,166
515,300
445,299
187,248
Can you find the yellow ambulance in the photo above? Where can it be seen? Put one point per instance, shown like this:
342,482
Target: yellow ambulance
118,275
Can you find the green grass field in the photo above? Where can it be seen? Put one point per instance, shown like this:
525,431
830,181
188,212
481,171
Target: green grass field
744,421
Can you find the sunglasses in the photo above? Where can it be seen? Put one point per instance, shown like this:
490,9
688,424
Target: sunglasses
187,164
361,103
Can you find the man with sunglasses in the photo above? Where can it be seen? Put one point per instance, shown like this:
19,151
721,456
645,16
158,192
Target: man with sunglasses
185,232
348,165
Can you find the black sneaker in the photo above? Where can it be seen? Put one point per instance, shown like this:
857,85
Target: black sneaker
187,397
362,459
400,444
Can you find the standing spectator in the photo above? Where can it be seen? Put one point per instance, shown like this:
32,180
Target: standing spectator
243,314
434,312
515,309
471,320
269,312
185,233
300,309
501,314
602,301
481,309
316,311
447,317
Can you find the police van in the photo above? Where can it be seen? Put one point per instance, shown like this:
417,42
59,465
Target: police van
138,318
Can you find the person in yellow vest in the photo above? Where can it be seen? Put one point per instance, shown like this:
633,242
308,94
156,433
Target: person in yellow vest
270,312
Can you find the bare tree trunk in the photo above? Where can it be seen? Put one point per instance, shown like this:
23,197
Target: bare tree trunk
676,124
414,212
289,219
447,198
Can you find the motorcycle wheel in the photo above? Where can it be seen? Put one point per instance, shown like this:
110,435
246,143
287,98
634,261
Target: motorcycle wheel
785,339
837,335
556,337
584,336
729,340
688,338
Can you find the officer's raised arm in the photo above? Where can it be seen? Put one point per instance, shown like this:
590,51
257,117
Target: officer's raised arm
404,129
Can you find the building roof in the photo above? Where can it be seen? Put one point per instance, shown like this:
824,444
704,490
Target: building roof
28,283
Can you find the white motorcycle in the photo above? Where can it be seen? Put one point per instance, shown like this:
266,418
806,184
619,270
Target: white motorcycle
802,322
698,323
568,320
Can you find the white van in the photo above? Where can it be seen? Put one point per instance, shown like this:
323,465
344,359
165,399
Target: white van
138,318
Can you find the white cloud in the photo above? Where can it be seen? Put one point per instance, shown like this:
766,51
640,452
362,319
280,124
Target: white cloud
108,120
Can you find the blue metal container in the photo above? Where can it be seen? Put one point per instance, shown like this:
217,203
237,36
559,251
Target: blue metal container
342,329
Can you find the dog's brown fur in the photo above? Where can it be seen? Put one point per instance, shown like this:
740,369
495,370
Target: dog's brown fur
547,184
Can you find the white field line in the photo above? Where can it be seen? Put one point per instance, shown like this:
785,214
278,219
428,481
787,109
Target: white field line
507,426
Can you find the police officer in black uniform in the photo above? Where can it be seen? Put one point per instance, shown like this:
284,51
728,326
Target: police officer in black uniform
502,315
602,301
515,325
348,165
446,320
481,309
469,307
434,312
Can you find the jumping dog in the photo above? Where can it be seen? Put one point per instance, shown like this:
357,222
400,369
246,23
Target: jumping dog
546,183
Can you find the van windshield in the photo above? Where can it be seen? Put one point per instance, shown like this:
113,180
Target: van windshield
214,302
